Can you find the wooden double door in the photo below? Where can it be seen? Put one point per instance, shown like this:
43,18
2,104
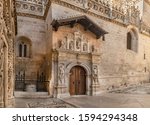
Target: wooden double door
77,81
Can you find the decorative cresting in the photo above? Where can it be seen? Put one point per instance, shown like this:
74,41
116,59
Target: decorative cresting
76,42
106,9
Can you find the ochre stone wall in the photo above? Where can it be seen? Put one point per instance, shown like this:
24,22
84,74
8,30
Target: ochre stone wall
35,31
117,64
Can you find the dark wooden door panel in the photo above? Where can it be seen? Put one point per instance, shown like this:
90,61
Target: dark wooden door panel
77,81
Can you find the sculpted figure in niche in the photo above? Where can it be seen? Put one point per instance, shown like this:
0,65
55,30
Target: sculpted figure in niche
84,47
71,45
95,74
94,50
61,73
85,4
78,43
63,44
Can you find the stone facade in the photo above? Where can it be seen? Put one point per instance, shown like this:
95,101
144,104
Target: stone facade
7,36
107,61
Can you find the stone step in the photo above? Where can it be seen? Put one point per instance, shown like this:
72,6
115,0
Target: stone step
19,94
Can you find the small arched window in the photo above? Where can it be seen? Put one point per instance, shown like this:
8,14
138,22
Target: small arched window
129,40
132,40
24,48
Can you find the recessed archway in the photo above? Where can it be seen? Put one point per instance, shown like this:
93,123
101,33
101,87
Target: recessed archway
87,71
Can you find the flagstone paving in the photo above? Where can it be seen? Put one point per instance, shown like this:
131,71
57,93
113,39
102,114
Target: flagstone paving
129,97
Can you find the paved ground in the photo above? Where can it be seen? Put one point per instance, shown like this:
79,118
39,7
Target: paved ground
130,97
111,100
41,103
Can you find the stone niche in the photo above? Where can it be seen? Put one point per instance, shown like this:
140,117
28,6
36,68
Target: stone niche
74,50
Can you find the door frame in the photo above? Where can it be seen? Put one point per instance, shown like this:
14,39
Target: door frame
88,76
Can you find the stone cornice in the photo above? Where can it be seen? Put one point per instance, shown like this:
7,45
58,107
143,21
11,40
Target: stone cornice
30,15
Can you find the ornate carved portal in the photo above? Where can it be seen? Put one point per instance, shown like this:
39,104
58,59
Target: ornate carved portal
75,69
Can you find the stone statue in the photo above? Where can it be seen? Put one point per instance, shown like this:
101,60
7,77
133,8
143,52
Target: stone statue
84,47
78,43
71,45
95,74
61,73
63,44
94,50
85,4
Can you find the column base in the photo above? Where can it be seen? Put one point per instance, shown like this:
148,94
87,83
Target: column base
61,92
1,104
10,103
95,88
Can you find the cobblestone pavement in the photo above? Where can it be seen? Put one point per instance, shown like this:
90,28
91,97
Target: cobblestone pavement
41,103
128,97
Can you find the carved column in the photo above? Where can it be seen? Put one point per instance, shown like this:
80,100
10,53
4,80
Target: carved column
61,85
6,54
95,85
1,73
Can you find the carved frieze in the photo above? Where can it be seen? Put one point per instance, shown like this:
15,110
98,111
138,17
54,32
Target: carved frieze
76,42
36,7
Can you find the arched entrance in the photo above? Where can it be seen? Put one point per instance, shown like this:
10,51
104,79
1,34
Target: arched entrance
77,83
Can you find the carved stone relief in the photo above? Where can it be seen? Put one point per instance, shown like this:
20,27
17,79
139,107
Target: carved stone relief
76,42
1,18
1,70
95,74
61,73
